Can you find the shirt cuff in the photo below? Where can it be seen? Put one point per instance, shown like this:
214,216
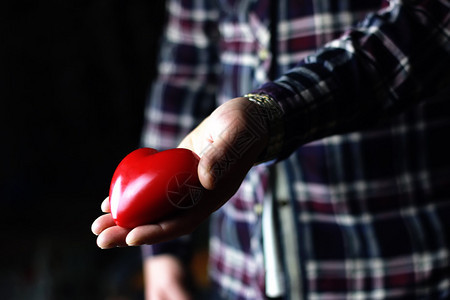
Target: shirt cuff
179,247
294,127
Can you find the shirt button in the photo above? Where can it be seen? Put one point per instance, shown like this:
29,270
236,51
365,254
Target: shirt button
263,54
258,209
283,202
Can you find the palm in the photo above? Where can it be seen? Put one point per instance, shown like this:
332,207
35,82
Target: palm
227,152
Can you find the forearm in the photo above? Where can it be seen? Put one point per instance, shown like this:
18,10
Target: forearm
390,62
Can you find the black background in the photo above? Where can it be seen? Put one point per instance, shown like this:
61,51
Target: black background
74,76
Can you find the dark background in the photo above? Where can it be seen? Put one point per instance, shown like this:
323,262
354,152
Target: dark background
74,76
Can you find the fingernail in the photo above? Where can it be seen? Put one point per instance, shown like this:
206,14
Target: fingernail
132,241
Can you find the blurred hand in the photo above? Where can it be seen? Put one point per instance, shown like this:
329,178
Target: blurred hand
228,143
164,279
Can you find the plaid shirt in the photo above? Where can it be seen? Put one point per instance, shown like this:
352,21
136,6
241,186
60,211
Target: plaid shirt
361,192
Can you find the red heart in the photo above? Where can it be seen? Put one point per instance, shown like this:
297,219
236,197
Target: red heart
149,185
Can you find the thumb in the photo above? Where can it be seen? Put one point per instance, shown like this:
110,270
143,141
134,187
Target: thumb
215,161
235,141
228,143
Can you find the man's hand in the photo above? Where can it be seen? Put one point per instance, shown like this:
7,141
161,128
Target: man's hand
228,143
165,279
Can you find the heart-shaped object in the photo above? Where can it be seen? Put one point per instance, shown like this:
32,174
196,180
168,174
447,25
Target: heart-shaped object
148,186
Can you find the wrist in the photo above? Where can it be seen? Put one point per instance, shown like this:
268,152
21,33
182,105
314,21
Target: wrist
272,114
